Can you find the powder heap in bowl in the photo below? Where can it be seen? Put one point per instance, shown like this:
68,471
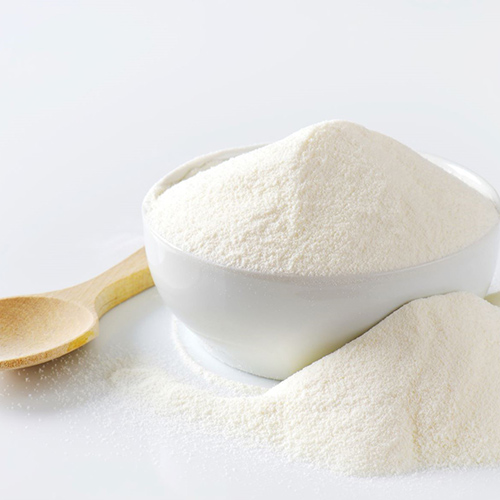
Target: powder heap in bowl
332,198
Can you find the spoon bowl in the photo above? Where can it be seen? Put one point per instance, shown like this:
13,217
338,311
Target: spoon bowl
38,328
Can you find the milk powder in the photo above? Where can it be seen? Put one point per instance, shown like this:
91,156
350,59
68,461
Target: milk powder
331,198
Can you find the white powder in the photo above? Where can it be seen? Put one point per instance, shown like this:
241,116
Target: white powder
421,389
331,198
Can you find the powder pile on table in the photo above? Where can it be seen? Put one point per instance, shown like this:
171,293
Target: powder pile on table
421,389
331,198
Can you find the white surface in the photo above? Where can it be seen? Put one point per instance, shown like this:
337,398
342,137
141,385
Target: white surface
72,442
99,99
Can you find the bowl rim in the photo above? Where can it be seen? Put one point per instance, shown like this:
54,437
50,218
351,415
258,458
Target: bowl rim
459,171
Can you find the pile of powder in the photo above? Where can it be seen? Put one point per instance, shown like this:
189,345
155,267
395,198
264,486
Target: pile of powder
331,198
421,389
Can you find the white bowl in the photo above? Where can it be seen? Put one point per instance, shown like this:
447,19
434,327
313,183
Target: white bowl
274,325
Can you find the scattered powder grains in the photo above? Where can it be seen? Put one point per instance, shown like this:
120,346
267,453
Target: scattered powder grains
331,198
421,389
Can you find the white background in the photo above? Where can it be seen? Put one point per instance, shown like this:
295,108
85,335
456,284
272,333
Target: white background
99,99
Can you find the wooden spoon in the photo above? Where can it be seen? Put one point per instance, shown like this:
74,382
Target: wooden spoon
37,328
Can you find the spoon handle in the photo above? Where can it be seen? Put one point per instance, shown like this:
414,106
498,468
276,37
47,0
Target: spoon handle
102,293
